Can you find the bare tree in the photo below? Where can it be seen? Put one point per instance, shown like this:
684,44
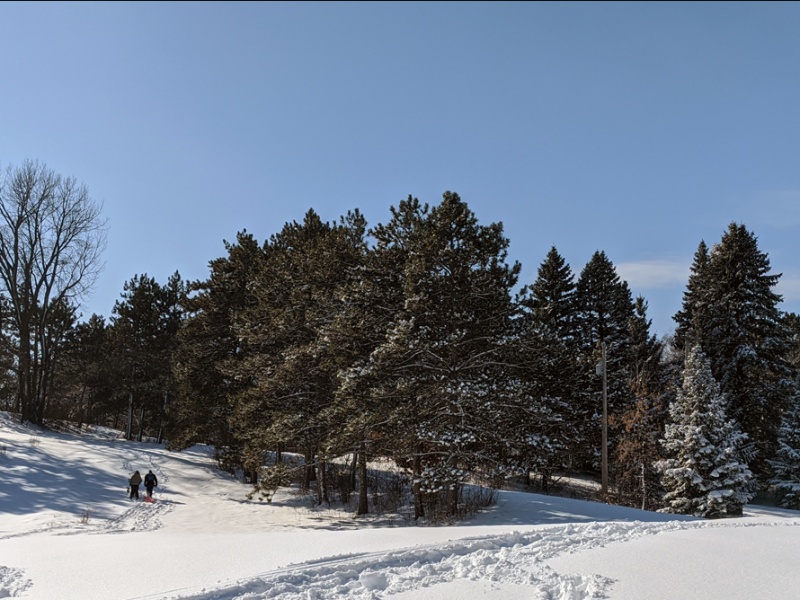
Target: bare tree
51,240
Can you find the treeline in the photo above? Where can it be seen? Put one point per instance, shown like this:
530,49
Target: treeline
407,341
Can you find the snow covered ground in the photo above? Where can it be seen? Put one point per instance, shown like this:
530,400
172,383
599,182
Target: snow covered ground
68,532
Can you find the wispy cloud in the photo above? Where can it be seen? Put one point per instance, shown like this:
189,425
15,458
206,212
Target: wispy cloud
654,273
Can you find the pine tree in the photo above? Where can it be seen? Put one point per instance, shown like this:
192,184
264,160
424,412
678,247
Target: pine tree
373,297
297,294
209,349
703,473
440,366
145,324
86,375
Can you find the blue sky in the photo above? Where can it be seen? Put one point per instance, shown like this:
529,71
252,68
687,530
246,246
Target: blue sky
638,129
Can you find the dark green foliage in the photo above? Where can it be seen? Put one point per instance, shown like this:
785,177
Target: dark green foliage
604,311
86,378
550,300
547,373
145,326
786,464
792,323
209,347
290,370
692,323
732,312
435,381
404,342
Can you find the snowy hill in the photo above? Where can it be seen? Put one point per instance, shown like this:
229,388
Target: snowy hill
68,531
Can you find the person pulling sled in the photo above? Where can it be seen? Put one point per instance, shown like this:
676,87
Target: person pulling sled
150,482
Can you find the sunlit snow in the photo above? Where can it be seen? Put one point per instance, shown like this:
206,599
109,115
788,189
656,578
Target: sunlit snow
69,532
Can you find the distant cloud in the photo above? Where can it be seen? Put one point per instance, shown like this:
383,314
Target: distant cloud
654,273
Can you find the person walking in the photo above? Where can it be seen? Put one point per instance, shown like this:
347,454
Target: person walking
150,482
134,482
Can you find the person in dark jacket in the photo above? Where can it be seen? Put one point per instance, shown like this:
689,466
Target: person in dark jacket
150,482
134,482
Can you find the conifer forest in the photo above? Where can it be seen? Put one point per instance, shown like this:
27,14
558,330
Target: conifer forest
411,341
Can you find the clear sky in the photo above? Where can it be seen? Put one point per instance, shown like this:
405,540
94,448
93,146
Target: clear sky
638,129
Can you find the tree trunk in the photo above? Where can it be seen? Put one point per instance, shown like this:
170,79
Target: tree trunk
363,503
308,471
419,507
322,483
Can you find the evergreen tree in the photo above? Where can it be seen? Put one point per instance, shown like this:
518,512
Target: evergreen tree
604,311
547,369
297,296
9,399
440,366
208,349
786,465
550,300
703,473
85,378
792,323
732,312
145,324
692,319
373,299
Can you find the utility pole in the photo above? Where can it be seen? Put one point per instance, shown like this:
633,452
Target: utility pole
129,427
604,446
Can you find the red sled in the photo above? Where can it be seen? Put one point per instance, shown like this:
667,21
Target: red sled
150,500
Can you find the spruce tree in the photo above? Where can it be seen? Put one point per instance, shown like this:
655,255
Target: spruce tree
732,312
792,323
691,319
604,309
703,472
550,300
547,370
786,464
